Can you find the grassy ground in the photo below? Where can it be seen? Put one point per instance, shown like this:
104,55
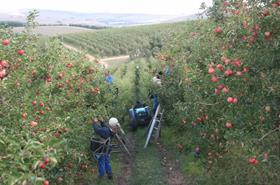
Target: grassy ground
90,178
189,165
146,168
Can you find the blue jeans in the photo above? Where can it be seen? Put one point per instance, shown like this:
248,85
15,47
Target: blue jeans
103,164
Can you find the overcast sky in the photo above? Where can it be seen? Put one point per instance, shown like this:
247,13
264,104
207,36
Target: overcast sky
174,7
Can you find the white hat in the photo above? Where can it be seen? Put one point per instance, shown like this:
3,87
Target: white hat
113,122
156,80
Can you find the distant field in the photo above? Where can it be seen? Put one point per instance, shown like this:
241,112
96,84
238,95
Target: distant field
55,30
136,40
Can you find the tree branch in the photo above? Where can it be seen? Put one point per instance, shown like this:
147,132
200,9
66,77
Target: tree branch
270,132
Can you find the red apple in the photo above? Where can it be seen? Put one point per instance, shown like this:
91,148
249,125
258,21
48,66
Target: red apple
33,123
244,38
237,12
34,102
267,34
239,73
6,42
2,74
223,58
41,112
245,70
211,70
221,86
230,99
217,91
47,160
225,89
46,182
48,79
20,51
252,40
253,160
274,5
218,30
193,34
266,12
4,63
42,165
214,79
226,61
236,62
226,3
234,100
24,115
228,72
60,75
220,67
198,120
42,104
69,65
228,125
257,27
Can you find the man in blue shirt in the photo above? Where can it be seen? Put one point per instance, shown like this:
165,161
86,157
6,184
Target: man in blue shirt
109,78
155,102
105,132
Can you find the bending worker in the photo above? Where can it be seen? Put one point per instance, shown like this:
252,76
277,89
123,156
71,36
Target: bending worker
105,132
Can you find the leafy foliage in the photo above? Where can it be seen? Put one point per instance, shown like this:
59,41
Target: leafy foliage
224,89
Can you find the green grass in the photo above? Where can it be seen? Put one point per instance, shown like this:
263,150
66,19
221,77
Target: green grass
191,167
91,178
146,168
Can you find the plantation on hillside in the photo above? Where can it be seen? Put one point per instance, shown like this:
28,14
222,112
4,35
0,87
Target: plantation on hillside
134,41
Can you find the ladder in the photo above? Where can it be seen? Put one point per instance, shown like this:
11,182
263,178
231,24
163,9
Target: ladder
123,143
154,126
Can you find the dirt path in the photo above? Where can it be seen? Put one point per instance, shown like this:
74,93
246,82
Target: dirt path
174,175
126,171
104,61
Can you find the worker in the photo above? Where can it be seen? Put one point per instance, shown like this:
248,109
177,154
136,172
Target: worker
105,133
109,78
157,78
138,104
154,98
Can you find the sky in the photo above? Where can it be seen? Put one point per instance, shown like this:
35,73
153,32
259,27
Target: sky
168,7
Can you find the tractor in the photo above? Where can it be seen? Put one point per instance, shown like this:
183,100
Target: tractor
139,116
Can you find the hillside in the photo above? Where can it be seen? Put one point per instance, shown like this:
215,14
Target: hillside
134,41
53,30
97,19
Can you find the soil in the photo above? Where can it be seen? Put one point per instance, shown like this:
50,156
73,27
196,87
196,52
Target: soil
103,61
123,178
174,175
